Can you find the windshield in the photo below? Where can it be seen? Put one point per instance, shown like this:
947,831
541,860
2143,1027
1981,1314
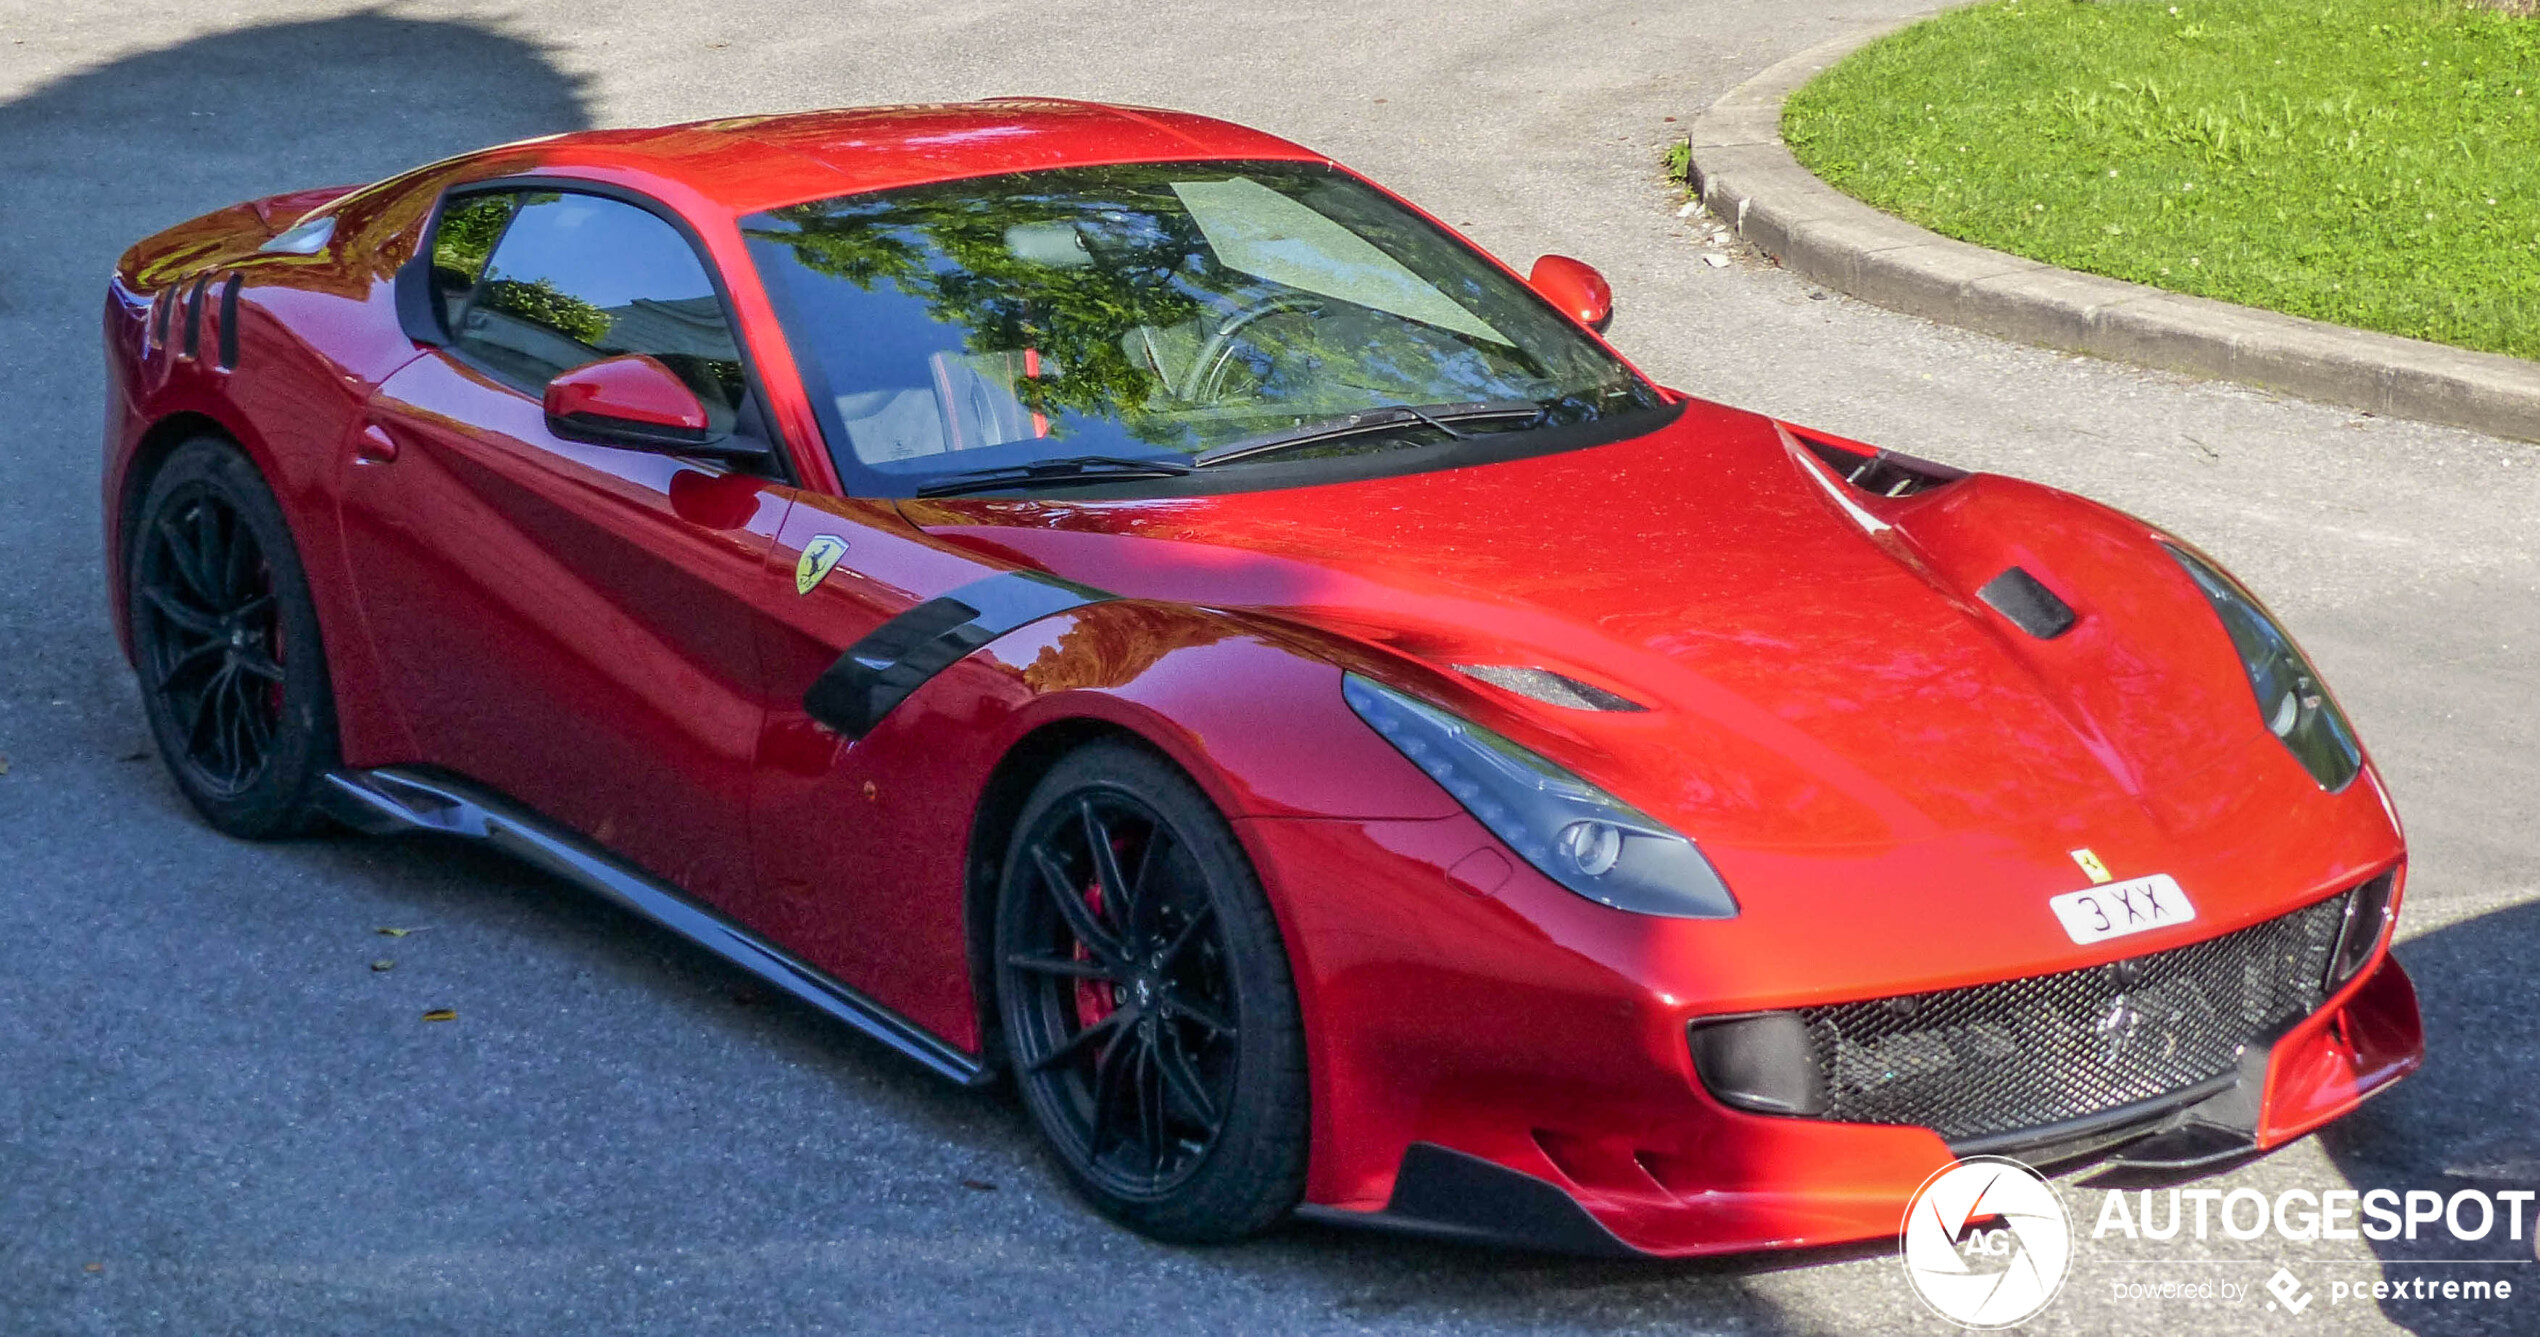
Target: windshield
1157,312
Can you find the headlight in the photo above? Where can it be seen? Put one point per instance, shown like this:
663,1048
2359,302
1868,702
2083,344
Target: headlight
1578,835
2291,701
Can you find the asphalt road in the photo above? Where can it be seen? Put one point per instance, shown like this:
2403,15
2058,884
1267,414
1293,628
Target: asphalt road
215,1116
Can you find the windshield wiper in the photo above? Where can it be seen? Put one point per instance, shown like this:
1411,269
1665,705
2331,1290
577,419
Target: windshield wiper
1367,422
1064,469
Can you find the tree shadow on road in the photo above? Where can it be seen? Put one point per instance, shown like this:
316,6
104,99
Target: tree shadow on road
102,157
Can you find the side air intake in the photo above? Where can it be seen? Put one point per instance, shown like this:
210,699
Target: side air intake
1881,473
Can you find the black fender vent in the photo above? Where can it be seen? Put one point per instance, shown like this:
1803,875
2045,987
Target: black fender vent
877,673
194,318
229,320
1881,473
2029,605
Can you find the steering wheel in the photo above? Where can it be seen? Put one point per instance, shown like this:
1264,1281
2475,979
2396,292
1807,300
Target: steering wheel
1208,369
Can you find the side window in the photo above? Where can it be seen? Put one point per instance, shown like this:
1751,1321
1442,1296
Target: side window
577,278
469,227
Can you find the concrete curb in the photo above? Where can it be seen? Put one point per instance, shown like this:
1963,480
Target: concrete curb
1744,173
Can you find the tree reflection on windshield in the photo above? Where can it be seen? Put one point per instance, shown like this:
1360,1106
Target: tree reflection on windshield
1147,308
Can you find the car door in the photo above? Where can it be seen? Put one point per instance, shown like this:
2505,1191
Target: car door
844,880
564,621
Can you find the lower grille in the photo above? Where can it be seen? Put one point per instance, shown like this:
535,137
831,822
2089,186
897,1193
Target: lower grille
2027,1053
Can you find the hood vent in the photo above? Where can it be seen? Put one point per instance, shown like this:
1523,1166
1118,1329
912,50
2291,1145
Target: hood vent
1553,689
2029,605
1881,473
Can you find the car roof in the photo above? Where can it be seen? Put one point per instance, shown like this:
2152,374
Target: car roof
750,163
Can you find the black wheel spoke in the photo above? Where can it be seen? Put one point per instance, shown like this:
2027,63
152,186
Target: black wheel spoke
187,616
1144,888
199,713
1076,1044
239,559
1200,915
1175,1063
1151,1128
1072,907
187,561
1109,1066
1183,1008
1117,899
217,709
255,662
233,732
184,660
1068,967
254,729
210,553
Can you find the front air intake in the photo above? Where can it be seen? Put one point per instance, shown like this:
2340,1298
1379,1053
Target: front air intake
1988,1064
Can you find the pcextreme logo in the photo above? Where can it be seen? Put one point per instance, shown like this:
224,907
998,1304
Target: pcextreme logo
1986,1242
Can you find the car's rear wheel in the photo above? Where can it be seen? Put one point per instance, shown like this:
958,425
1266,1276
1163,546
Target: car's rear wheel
1147,1003
225,640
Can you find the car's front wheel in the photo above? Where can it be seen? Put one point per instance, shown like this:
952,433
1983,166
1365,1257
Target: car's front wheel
225,638
1147,1003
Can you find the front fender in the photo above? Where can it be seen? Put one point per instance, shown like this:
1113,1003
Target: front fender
873,848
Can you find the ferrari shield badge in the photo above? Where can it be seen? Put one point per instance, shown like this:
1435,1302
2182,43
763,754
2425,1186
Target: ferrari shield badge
2089,862
820,557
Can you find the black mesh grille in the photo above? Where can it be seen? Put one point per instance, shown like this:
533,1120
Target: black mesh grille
2026,1053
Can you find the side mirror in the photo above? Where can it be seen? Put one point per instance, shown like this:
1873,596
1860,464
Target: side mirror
1580,292
635,401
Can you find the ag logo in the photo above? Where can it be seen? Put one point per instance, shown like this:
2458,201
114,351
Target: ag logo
1986,1242
820,556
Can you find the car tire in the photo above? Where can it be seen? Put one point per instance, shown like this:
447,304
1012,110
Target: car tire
1149,1013
225,641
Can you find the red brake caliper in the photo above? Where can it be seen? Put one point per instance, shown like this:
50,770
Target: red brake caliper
1093,997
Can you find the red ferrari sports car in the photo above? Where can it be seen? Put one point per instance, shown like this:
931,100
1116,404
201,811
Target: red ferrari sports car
1112,599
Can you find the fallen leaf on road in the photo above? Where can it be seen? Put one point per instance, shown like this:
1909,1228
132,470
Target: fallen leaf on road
398,932
4,763
142,755
92,1267
979,1185
1716,261
441,1014
383,963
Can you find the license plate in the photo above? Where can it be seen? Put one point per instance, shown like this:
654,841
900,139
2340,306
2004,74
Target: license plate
2120,908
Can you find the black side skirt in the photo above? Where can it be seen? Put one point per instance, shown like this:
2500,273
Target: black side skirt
389,801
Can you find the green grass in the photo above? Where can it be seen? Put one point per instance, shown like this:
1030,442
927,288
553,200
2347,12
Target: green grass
2370,162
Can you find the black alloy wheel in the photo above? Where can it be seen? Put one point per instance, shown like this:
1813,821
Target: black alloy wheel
1147,1003
225,642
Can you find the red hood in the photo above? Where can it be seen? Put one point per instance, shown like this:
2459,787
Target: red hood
1821,679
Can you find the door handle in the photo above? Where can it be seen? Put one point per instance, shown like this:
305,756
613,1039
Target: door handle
374,446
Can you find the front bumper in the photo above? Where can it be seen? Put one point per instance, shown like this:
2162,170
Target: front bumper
1488,1074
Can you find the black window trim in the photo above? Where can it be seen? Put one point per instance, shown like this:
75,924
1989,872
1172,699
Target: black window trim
421,318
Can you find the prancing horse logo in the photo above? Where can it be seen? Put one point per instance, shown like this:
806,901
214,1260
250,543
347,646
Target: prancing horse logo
820,557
